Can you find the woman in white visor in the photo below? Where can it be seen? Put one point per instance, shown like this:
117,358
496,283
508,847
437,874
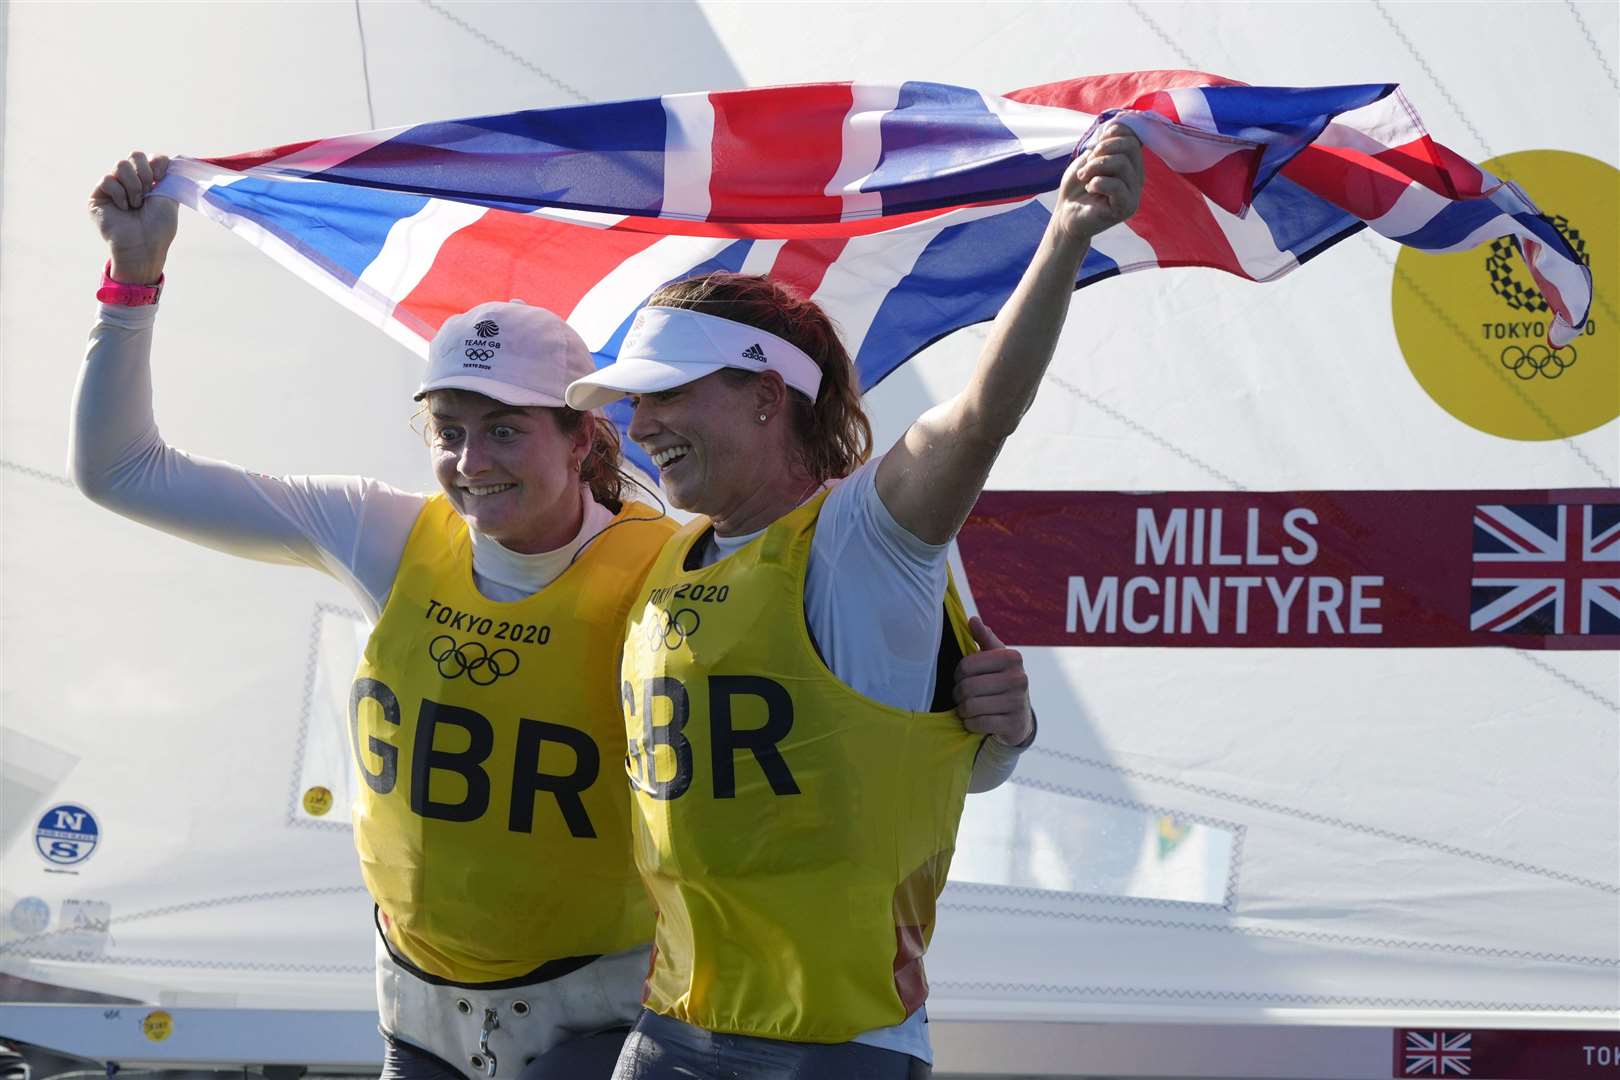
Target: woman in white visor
798,777
512,927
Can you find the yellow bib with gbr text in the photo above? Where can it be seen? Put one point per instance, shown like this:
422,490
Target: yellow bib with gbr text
492,823
793,833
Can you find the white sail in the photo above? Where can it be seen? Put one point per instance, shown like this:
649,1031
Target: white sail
1301,835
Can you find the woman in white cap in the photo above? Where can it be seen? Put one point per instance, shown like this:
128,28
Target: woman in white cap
798,784
513,927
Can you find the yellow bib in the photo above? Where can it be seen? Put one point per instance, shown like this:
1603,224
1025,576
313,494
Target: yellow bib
794,834
492,823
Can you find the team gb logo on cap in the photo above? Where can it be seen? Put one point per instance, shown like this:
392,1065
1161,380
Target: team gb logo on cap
480,350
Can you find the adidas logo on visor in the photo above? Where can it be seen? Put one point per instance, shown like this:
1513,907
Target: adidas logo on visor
754,352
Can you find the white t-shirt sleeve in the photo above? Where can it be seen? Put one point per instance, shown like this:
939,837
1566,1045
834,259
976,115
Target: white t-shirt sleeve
347,526
873,596
874,599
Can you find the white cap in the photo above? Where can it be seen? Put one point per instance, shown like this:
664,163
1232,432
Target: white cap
669,347
514,353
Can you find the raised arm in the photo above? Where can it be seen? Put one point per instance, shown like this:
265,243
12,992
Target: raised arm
933,475
349,527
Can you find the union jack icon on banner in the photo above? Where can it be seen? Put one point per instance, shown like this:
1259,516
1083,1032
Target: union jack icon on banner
1437,1053
1546,569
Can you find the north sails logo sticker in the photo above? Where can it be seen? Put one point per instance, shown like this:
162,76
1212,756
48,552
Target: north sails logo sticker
487,328
754,352
66,834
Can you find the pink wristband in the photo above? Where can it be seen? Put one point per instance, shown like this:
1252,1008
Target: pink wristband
118,292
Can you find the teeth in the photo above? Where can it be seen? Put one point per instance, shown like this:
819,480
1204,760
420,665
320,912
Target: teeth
674,453
486,489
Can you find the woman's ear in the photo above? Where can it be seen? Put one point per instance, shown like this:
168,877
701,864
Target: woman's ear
770,393
579,440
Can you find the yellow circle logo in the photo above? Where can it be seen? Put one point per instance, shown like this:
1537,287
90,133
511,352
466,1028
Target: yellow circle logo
1473,326
317,801
157,1026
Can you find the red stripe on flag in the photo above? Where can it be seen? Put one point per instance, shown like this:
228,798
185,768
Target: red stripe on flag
803,263
1513,613
764,168
1352,181
507,256
1228,181
1159,102
1603,545
1435,167
244,162
1095,93
1175,221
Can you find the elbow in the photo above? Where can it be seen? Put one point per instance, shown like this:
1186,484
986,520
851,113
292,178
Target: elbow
100,481
94,484
990,424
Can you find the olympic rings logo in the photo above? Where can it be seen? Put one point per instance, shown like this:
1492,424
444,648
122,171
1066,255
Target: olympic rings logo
1538,360
473,660
480,354
670,631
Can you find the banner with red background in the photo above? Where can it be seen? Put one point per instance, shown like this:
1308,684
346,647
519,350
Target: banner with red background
1310,569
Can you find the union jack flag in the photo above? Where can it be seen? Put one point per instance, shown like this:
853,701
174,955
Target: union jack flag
1546,569
906,210
1438,1053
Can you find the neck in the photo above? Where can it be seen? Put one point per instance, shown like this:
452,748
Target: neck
554,534
767,503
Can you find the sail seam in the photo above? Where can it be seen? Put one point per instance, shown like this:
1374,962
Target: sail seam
1590,40
37,474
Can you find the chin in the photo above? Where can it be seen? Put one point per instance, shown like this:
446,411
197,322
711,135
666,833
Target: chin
682,497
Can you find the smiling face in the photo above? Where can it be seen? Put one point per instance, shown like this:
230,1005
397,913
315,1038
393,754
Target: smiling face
511,471
712,455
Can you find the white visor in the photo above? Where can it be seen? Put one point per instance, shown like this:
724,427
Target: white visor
669,347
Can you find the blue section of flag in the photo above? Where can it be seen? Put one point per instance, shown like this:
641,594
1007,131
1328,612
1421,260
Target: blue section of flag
942,145
1486,543
1603,621
963,276
1283,119
340,229
1453,224
1540,515
1299,222
587,157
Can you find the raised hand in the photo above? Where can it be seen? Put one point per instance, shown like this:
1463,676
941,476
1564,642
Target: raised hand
1101,187
992,691
138,230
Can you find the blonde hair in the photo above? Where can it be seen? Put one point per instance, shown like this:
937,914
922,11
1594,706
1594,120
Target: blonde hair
833,431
